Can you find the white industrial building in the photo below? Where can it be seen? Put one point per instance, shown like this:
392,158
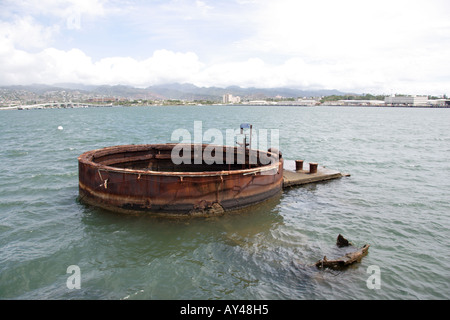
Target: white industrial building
299,102
228,98
408,101
439,103
355,103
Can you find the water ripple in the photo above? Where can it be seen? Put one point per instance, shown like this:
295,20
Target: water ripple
395,200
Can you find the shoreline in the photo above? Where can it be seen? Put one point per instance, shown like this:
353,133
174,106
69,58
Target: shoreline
230,105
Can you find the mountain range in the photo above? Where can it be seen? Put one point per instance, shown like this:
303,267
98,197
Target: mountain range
174,91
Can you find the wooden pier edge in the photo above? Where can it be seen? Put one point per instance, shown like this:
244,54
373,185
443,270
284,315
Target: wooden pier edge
293,177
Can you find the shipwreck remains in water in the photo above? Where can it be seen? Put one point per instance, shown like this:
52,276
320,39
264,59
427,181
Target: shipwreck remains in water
347,259
143,178
205,180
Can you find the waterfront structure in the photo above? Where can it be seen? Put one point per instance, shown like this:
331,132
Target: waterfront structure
355,103
229,98
439,103
307,102
298,102
259,103
145,179
407,101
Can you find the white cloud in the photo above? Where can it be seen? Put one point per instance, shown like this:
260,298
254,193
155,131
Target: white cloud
184,9
53,66
203,6
381,47
341,29
25,33
60,8
54,14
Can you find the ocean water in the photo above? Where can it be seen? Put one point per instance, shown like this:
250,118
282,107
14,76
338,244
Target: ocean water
397,199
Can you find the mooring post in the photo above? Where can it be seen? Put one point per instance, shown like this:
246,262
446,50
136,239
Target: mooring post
298,165
313,167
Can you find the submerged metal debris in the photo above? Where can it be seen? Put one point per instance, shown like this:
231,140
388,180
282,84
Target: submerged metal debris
345,260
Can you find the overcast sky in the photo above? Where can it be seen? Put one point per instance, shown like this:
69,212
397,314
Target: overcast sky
383,46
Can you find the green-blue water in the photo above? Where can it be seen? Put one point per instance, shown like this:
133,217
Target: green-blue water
397,199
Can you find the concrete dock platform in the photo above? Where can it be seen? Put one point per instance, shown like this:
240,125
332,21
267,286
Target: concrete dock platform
293,177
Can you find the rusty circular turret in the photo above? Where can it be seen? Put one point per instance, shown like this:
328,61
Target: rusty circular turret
209,181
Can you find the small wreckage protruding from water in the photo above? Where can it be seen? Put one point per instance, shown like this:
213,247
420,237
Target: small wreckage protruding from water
345,260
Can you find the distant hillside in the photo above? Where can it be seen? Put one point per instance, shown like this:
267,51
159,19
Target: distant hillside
192,92
175,91
188,91
37,88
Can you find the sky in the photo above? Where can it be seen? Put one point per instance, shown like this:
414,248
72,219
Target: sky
360,46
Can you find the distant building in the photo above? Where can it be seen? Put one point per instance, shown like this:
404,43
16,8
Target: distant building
258,102
298,102
408,101
439,103
355,103
307,102
104,99
228,98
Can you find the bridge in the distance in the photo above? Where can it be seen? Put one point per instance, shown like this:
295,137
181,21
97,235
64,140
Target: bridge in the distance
56,105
